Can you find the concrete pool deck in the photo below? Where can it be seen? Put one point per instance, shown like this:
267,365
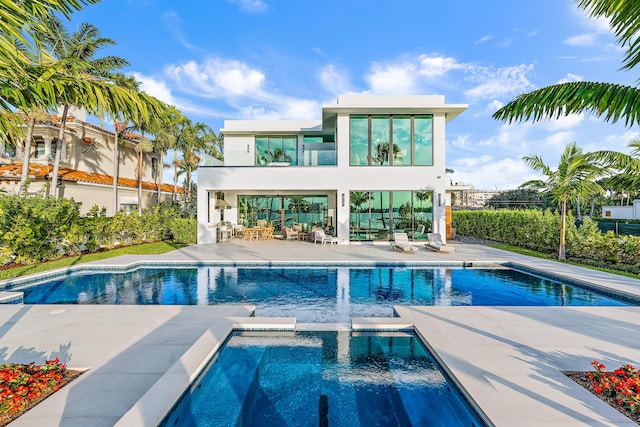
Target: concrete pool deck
509,360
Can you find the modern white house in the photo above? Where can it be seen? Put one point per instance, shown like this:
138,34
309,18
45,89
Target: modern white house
371,166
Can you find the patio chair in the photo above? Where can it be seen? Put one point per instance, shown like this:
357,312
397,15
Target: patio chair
435,243
401,243
267,233
320,236
290,234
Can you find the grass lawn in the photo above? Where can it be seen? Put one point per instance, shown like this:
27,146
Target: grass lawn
144,249
529,252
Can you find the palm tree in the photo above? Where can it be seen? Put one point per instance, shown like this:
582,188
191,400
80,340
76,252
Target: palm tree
76,53
37,83
31,117
627,168
575,177
611,101
166,133
193,140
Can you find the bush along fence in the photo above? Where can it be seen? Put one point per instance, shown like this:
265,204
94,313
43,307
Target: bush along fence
540,231
35,229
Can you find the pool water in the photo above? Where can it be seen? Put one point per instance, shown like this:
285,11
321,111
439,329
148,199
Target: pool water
332,294
323,378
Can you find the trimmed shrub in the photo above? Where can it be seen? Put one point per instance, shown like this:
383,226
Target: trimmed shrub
540,231
36,229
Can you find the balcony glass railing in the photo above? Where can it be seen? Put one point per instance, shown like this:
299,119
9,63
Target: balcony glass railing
319,155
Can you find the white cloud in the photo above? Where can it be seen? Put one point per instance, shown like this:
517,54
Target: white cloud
571,121
218,78
571,78
501,82
333,80
437,66
392,79
582,40
489,173
483,39
155,88
251,6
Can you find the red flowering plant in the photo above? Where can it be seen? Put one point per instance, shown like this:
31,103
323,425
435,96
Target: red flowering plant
622,385
22,384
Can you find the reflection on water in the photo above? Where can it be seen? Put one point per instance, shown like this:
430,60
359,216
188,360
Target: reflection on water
314,294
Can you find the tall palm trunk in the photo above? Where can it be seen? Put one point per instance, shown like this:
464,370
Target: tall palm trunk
140,175
26,157
159,176
175,178
563,232
56,162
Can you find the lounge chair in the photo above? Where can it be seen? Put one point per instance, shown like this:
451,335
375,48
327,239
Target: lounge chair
401,243
320,236
435,243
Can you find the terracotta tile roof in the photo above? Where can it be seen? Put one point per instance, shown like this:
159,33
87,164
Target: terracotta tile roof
14,170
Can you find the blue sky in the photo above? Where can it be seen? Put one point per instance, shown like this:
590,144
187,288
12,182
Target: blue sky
284,59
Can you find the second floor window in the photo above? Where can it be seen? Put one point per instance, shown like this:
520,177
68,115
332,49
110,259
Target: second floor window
390,140
276,149
154,167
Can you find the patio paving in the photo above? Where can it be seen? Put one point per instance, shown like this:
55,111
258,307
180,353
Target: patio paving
509,360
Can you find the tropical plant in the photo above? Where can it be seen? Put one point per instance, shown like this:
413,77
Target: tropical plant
24,82
612,101
193,140
574,177
75,54
357,199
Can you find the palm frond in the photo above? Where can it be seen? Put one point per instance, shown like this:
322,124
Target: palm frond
611,101
624,20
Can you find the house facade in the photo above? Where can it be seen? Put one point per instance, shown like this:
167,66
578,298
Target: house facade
87,166
373,165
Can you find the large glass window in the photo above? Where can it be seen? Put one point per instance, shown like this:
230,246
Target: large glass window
423,140
375,215
380,152
284,211
359,140
276,149
401,140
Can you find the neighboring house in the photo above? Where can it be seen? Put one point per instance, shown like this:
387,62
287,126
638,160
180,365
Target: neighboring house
622,212
466,196
86,169
340,173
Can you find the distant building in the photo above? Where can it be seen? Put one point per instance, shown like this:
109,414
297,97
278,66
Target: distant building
622,212
86,168
466,196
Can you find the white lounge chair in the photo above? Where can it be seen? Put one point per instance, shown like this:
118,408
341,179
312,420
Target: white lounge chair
320,236
435,243
402,244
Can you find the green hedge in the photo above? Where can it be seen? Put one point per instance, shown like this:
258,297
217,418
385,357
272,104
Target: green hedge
540,231
34,229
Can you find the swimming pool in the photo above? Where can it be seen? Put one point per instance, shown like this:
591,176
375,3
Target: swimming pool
323,378
313,294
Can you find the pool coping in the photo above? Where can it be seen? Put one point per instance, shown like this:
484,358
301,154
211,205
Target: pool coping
167,392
